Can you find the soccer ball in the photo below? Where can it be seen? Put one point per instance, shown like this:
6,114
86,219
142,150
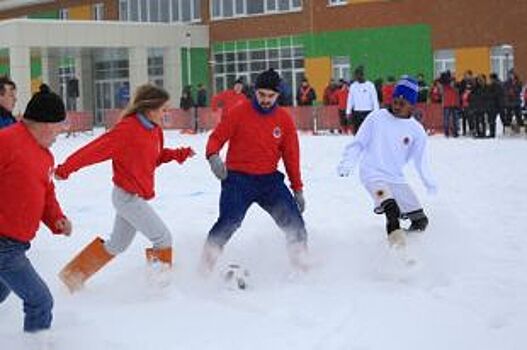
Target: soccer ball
236,276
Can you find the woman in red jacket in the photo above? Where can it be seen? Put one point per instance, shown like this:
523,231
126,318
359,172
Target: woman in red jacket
135,146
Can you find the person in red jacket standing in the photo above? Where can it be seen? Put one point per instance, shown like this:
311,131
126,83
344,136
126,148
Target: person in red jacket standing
229,98
135,146
260,133
28,197
342,101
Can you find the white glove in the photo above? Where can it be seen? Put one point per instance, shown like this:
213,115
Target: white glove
218,167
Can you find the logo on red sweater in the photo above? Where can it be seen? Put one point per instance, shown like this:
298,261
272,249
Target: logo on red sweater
277,132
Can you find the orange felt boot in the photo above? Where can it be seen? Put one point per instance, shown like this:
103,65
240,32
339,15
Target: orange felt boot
90,260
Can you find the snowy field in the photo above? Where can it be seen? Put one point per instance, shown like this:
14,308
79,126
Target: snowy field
468,290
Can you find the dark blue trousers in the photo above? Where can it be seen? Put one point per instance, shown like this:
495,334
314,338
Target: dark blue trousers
239,191
18,275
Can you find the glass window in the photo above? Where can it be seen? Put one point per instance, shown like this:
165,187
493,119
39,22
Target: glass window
271,5
154,11
255,7
229,56
337,2
144,10
228,8
219,83
272,53
197,9
175,10
98,11
134,10
502,60
341,67
444,60
165,11
297,4
186,11
123,10
216,8
285,52
258,55
242,56
240,8
283,5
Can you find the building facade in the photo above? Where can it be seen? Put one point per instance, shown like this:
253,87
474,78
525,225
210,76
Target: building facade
318,39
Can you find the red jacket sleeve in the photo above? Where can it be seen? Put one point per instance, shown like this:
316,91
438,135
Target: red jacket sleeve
99,150
217,101
291,155
52,211
178,154
221,134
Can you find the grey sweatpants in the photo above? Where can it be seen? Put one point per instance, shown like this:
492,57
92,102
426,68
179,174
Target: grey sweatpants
134,214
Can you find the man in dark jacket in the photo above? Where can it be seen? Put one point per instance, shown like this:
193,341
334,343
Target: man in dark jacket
201,98
305,95
7,101
496,97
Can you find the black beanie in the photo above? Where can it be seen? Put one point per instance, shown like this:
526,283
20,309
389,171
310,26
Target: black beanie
268,79
45,107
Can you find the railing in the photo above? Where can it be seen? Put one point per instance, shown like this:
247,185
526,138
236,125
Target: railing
314,119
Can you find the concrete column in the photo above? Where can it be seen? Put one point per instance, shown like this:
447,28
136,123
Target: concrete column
50,68
172,73
138,66
84,72
20,73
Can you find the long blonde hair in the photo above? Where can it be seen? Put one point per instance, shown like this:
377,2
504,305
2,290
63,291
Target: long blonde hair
147,97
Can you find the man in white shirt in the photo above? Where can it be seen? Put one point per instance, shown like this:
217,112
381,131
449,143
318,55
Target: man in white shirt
362,99
387,140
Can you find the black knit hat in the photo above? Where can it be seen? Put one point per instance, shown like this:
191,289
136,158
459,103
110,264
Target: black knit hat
45,107
268,79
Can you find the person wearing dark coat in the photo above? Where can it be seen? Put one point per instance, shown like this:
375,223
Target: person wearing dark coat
186,102
201,98
495,101
477,105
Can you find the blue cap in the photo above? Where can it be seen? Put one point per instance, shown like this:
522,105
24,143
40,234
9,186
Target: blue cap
406,88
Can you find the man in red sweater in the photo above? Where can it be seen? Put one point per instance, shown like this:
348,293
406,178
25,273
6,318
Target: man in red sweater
28,197
260,133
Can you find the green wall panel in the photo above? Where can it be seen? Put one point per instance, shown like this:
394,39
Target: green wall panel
383,51
199,67
36,68
4,69
45,15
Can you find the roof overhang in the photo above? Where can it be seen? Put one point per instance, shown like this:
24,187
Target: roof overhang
75,34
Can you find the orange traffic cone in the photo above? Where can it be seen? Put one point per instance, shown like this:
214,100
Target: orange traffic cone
90,260
163,255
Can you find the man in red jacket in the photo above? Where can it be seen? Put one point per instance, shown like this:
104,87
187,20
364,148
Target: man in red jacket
260,133
28,197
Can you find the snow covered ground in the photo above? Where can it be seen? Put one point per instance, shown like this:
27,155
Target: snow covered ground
468,290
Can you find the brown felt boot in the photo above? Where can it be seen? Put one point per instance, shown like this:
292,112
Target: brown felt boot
90,260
